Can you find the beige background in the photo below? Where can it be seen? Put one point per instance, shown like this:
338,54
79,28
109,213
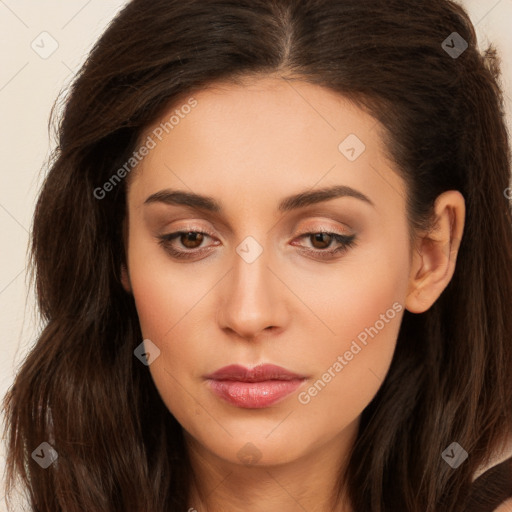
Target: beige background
31,80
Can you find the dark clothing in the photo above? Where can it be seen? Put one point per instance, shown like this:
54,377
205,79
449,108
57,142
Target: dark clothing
492,488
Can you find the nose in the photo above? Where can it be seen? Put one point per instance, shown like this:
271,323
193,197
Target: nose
252,299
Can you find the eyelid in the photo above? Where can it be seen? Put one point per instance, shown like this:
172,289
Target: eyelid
305,230
323,229
323,224
191,228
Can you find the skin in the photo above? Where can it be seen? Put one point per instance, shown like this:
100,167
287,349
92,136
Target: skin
505,507
249,147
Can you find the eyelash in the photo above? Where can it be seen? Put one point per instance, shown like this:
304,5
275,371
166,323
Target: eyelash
345,241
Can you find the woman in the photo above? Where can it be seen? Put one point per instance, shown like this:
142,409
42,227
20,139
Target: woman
274,257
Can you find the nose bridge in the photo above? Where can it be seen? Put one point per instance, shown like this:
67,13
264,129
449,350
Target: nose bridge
251,302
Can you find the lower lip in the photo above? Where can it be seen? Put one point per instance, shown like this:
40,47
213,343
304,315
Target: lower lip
254,395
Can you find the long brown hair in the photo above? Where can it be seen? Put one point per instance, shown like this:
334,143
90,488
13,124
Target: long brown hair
82,390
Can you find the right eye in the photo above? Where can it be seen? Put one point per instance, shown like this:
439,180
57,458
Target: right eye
189,240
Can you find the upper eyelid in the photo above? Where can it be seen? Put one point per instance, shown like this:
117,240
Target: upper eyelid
301,233
321,213
322,223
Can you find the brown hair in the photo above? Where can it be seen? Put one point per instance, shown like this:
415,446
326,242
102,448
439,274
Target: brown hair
82,389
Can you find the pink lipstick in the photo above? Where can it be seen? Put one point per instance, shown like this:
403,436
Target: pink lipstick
254,388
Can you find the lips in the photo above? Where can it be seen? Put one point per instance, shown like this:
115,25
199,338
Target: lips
254,388
259,373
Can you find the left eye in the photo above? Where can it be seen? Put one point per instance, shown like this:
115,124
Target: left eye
192,240
325,239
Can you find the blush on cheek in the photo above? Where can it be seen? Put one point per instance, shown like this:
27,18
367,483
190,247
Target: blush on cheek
151,309
366,312
161,298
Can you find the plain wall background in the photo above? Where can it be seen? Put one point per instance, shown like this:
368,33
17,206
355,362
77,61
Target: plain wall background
29,85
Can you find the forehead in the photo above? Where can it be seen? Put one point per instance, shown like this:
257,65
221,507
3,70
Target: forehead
265,138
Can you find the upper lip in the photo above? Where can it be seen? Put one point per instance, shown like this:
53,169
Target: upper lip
259,373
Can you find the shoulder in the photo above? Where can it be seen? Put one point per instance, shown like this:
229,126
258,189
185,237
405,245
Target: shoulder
506,506
492,483
492,491
498,457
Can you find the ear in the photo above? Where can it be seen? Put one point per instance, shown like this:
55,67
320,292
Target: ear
435,254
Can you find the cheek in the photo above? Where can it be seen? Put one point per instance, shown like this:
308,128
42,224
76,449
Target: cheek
350,369
169,303
363,306
166,304
163,293
351,296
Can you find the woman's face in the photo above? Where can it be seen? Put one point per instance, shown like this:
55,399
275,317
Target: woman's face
254,288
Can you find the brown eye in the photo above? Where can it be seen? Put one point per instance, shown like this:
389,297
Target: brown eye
185,244
321,239
192,239
327,245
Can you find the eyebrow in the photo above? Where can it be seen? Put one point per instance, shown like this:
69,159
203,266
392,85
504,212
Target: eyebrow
294,202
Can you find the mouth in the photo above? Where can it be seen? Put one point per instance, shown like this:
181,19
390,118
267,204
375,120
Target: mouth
254,388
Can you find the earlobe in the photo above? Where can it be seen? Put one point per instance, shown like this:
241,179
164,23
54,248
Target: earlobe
435,254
